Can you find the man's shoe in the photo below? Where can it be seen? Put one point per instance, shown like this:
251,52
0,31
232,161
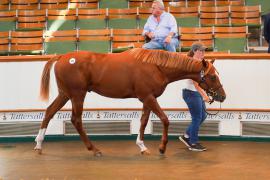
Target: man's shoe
184,140
197,147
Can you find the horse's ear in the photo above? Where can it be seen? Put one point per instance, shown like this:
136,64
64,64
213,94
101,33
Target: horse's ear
212,61
204,63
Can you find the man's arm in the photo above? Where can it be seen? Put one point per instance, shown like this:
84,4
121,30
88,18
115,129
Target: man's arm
173,29
146,30
173,25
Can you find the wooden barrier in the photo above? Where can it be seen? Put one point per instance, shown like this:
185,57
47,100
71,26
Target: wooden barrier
218,56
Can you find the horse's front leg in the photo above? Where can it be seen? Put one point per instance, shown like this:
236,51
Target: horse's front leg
152,103
57,104
140,137
76,119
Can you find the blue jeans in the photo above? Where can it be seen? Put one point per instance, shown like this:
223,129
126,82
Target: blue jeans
160,44
196,108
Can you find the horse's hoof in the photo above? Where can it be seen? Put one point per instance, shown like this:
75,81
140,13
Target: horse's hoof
39,151
162,151
98,154
145,152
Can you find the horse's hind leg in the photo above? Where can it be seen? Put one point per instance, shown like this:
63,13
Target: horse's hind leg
76,119
140,137
56,105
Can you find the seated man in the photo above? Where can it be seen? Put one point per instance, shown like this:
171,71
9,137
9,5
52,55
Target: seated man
161,28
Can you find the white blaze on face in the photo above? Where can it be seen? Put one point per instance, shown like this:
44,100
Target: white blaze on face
72,60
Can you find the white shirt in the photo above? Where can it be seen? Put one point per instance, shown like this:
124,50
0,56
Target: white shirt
188,84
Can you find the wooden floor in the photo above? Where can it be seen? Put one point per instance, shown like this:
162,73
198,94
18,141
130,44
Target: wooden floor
122,160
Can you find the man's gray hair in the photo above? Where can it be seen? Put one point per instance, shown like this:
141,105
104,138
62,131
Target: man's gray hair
160,2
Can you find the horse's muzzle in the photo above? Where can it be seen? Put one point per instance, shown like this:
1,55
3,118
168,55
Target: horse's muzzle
219,98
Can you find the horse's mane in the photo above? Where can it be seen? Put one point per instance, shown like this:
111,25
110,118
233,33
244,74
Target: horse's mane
166,59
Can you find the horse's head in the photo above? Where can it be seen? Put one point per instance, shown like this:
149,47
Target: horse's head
209,81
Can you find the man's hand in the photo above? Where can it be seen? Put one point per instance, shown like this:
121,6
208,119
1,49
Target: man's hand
168,39
150,35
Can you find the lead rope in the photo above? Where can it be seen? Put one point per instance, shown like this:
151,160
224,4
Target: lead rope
212,114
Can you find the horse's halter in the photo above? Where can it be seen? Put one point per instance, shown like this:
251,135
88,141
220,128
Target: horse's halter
211,92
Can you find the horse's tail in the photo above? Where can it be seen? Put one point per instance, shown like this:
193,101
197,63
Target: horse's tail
45,79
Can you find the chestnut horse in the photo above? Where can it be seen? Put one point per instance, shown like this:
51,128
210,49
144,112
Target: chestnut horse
136,73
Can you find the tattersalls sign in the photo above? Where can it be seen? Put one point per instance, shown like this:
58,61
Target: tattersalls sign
133,115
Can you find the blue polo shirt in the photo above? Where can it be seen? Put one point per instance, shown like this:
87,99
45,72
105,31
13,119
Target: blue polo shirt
161,30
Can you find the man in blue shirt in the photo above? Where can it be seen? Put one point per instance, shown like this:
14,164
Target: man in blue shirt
161,28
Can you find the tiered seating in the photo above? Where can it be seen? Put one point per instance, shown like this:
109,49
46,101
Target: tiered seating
7,20
24,4
92,18
116,4
4,5
246,15
47,4
226,39
229,2
89,4
53,4
186,16
189,35
116,18
200,3
26,42
31,20
265,5
145,3
95,40
4,43
60,42
187,3
123,18
232,39
61,19
124,39
113,4
214,16
178,4
140,3
81,26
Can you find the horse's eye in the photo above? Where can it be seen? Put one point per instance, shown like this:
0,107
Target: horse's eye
213,78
